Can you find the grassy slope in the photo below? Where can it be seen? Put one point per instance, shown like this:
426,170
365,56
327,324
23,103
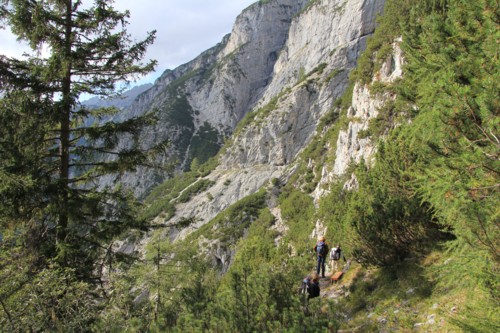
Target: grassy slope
406,298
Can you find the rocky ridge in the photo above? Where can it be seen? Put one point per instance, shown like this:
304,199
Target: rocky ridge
301,89
268,146
214,91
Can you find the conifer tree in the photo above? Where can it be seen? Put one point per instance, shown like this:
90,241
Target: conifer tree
453,73
54,150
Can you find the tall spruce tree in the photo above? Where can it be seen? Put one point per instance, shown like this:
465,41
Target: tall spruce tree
53,149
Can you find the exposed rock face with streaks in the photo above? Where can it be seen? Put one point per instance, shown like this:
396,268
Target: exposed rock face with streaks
200,103
351,146
311,72
264,87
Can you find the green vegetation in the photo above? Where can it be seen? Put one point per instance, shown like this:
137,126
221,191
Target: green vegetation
172,187
251,116
160,207
195,188
390,27
261,113
178,111
333,74
308,6
302,75
71,147
204,144
320,68
298,210
229,225
180,188
56,222
434,180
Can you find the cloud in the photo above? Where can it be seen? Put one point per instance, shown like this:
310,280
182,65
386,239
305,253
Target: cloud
185,28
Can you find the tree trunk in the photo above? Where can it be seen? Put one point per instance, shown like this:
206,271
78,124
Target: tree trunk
64,148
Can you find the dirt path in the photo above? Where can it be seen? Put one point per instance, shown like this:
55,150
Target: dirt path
329,289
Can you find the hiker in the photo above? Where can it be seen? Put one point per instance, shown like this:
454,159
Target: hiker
321,249
335,255
311,286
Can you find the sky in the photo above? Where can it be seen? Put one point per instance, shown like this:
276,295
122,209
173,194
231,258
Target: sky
185,28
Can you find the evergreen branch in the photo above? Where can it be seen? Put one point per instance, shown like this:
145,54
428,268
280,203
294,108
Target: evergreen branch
490,169
488,243
484,187
496,141
493,139
474,144
91,242
99,150
80,179
109,164
8,314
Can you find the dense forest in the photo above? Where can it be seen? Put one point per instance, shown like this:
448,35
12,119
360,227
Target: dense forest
421,227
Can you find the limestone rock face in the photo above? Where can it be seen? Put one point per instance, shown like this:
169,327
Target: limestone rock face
286,117
214,91
275,49
331,32
351,146
229,187
263,91
311,71
365,106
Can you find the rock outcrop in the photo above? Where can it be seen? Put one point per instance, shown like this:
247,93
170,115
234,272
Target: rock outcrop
267,147
352,147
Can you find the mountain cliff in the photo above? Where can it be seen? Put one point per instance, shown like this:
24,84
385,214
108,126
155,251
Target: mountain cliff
266,143
201,102
260,94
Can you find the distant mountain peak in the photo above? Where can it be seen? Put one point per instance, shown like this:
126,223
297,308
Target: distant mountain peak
123,101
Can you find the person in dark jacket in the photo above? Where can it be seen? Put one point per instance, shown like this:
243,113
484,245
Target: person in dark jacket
321,249
313,286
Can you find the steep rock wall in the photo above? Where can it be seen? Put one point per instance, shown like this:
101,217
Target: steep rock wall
328,35
215,90
245,64
305,76
268,146
352,147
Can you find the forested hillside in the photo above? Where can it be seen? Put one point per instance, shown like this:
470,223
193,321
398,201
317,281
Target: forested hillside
402,171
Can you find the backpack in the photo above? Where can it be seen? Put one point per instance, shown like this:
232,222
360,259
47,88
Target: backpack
313,289
335,254
322,248
305,285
